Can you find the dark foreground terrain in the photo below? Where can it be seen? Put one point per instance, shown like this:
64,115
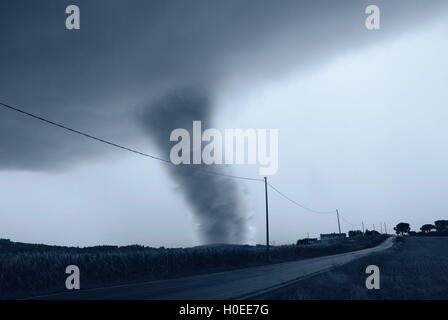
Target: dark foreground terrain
415,268
28,270
245,283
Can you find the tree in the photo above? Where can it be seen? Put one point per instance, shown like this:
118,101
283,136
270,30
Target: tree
354,233
369,233
441,225
427,228
402,228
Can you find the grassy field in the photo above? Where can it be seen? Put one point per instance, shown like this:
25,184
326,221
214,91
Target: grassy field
29,269
415,268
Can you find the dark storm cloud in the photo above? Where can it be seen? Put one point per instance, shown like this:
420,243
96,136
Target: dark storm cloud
121,73
129,51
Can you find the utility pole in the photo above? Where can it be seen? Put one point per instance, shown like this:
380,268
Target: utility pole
339,224
363,227
267,217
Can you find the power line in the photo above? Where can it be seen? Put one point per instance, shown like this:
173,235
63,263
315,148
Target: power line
199,169
202,170
345,220
81,133
298,204
349,223
113,144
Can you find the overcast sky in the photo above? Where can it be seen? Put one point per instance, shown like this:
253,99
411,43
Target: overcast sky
360,114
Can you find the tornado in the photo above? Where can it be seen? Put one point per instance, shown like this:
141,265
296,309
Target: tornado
215,199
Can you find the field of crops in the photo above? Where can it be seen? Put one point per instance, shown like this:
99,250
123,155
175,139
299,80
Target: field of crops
27,269
416,268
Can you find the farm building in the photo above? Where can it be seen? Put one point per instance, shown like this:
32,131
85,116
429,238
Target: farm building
306,241
332,236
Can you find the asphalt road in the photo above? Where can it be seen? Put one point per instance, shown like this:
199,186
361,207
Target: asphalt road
235,284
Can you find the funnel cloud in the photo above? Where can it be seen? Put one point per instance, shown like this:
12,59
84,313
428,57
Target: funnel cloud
215,199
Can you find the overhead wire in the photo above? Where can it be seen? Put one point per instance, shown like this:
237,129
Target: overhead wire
116,145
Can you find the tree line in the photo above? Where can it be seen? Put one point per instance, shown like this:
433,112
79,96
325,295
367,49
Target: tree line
439,228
